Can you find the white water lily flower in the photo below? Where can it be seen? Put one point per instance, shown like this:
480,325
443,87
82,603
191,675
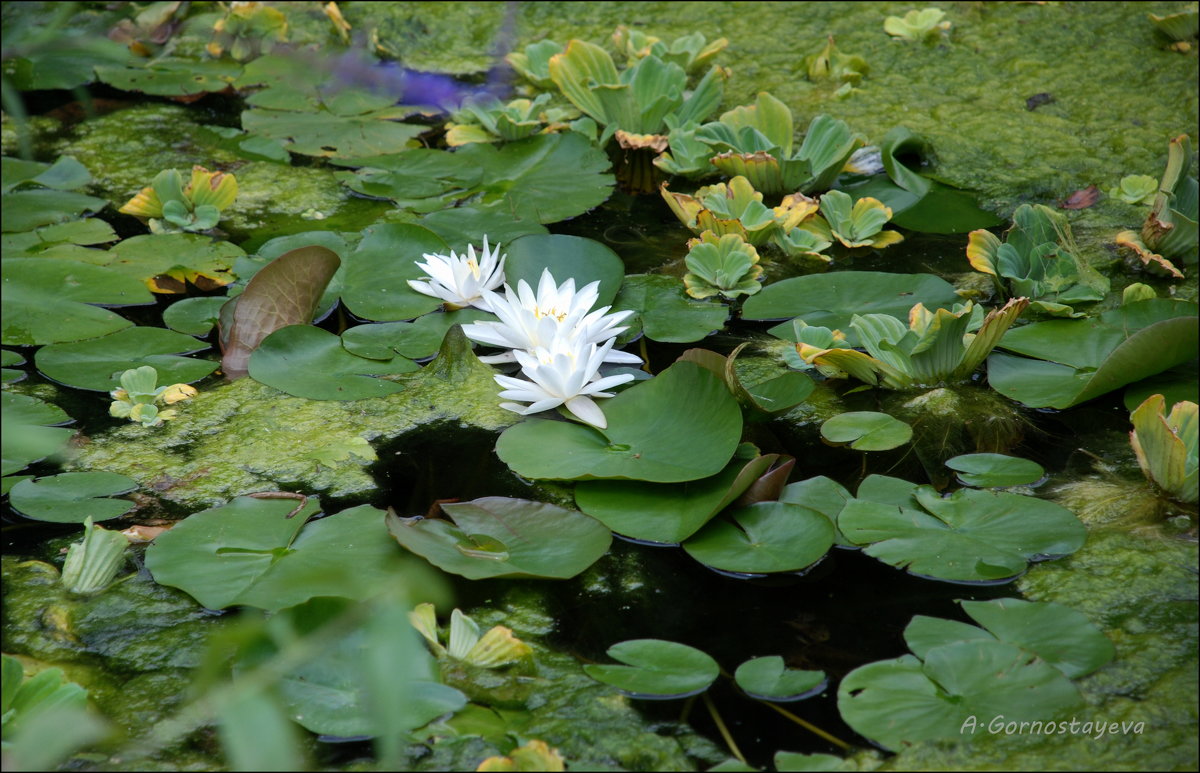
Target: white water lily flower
530,321
563,375
462,280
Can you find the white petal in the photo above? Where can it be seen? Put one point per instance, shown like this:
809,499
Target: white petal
587,410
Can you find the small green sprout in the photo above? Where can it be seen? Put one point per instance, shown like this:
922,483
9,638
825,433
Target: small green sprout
169,206
249,29
498,647
1166,446
139,397
832,65
858,223
721,264
933,349
691,52
1135,189
917,26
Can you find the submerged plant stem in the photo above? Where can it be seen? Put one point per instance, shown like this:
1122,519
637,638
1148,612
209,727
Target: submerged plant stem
733,748
804,723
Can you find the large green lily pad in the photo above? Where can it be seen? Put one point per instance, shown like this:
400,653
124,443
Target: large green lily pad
97,363
415,340
375,282
680,425
247,552
46,301
665,313
73,497
656,669
166,262
763,538
904,701
307,361
667,513
831,300
502,537
27,433
969,536
585,260
1077,360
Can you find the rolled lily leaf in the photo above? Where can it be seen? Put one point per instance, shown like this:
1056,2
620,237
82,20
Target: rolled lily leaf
725,265
285,292
1167,446
691,52
831,64
1040,261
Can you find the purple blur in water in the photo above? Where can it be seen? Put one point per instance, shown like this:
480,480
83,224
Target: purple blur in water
409,87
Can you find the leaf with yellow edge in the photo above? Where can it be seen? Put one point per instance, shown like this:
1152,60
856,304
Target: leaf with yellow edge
533,756
166,262
1167,446
217,189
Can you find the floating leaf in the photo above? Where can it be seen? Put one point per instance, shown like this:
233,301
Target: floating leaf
246,552
1077,360
172,77
822,494
904,701
321,131
1059,635
9,357
307,361
831,300
502,537
64,240
667,512
194,316
27,432
866,431
375,282
656,670
165,262
680,425
27,209
969,536
415,340
584,260
995,470
284,292
763,538
72,497
768,679
97,363
793,762
45,300
665,313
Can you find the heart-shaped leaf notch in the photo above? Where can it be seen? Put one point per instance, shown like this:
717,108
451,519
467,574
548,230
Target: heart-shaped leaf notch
656,670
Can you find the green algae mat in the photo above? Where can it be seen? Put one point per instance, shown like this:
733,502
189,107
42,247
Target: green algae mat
606,386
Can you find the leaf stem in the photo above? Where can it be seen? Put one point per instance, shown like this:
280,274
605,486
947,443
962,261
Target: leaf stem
733,748
809,726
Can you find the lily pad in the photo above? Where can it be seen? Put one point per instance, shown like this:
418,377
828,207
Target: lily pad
46,301
415,340
1059,635
656,670
1077,360
995,470
667,513
246,552
65,174
831,300
27,432
97,363
166,262
11,375
25,210
763,538
284,292
460,226
172,77
769,679
664,312
866,431
583,259
307,361
375,282
64,240
822,494
680,425
194,316
794,762
904,701
970,536
345,133
502,537
73,497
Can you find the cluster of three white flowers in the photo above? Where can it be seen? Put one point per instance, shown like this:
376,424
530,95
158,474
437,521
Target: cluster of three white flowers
553,334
